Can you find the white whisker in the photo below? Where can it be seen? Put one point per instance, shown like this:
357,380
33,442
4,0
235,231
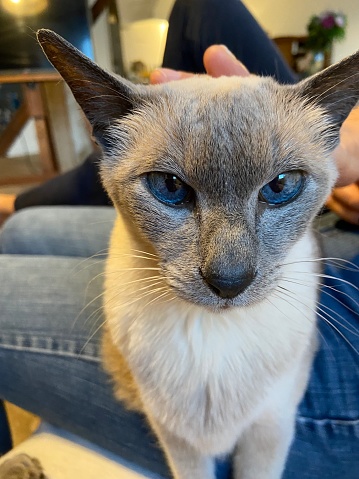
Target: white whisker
102,252
144,252
327,276
323,285
305,316
327,321
84,309
89,339
327,260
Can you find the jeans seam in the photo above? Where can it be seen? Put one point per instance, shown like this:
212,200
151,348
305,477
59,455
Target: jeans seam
325,421
79,348
66,354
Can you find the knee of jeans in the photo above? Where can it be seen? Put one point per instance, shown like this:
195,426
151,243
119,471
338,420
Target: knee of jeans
17,233
7,233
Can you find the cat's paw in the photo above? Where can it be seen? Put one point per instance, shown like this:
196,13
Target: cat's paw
21,467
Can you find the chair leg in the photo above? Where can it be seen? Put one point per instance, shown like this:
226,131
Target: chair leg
5,436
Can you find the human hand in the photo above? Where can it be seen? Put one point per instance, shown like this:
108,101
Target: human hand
218,61
344,201
347,152
7,206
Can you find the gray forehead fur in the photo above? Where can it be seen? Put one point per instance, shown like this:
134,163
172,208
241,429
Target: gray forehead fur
218,133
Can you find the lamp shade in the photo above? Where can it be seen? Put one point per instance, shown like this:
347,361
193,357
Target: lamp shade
24,8
143,45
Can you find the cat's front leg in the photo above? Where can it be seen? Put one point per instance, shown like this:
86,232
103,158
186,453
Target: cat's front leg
184,461
262,450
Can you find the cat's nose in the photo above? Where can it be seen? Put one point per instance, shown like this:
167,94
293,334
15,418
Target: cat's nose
228,287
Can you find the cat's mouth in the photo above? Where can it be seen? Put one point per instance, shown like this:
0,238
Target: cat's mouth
222,294
226,306
211,302
200,294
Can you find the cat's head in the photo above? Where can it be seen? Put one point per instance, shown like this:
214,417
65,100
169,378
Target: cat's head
222,176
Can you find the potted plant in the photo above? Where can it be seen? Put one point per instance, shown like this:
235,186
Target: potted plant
323,30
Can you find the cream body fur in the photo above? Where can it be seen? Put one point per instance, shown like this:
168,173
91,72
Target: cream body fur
211,279
219,372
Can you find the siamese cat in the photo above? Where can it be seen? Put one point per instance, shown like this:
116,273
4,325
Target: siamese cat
211,279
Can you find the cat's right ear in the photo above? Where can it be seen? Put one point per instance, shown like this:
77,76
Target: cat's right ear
103,97
335,89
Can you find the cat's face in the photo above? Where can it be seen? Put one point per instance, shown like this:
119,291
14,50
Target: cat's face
221,176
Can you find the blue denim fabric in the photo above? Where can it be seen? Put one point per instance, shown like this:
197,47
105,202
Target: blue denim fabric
58,230
49,356
327,430
50,362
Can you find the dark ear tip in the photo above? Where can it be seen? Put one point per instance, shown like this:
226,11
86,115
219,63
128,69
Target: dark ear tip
44,34
45,37
52,43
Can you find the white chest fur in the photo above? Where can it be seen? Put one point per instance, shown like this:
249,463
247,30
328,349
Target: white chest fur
206,376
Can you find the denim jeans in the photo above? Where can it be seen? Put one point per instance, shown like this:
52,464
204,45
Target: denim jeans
50,320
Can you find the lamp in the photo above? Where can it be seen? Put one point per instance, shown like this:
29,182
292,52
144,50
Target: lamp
143,44
24,8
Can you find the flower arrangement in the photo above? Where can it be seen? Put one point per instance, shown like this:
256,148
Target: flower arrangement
323,29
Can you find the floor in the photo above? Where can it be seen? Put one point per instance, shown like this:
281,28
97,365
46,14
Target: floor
22,423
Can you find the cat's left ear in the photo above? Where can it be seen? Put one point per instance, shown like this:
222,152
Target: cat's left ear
103,97
335,89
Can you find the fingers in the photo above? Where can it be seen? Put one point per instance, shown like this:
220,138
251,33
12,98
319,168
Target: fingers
345,203
219,61
164,75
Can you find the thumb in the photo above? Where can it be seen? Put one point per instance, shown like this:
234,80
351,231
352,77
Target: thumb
219,61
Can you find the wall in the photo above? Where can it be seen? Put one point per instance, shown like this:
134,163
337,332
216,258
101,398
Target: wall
132,10
162,8
294,16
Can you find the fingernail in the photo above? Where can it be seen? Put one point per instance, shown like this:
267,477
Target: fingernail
232,56
228,51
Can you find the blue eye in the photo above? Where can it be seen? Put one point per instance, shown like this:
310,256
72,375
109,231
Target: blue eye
169,189
283,188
